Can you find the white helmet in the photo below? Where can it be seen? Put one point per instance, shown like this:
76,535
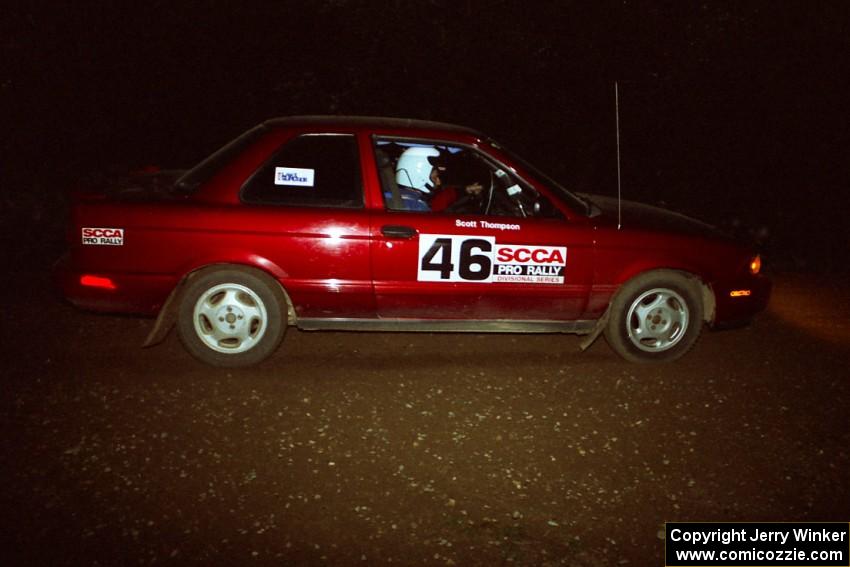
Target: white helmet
414,168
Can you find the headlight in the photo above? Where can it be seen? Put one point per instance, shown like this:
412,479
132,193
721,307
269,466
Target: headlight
755,265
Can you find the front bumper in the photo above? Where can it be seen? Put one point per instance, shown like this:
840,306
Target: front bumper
738,301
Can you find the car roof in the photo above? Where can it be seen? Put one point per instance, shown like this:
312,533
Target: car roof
370,122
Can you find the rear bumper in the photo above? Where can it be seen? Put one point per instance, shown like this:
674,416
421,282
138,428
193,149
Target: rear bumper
738,301
142,294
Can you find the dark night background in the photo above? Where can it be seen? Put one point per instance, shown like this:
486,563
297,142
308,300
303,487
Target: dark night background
735,112
728,110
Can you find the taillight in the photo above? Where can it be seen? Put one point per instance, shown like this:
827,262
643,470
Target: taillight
755,265
89,280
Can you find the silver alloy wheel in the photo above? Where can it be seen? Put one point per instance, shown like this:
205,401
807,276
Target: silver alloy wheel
657,320
230,318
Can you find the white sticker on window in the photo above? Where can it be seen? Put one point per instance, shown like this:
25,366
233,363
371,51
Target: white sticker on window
294,176
455,258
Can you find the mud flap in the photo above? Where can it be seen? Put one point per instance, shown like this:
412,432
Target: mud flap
166,318
597,330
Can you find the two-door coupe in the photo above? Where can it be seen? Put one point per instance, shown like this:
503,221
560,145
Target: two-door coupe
390,224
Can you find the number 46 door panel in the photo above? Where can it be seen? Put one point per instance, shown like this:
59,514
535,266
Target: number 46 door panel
428,266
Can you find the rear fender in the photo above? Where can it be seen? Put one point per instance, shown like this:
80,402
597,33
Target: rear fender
236,257
168,314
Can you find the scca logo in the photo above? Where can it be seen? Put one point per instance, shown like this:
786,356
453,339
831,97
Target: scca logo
103,233
522,255
103,236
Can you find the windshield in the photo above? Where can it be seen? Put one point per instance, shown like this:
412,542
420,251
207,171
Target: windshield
190,180
574,201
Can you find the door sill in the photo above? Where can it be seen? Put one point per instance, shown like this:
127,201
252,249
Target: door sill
581,327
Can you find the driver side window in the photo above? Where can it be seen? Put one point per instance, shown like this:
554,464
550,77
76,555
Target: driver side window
451,179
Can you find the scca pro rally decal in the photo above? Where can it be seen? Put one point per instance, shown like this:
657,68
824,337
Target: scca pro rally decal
452,258
103,236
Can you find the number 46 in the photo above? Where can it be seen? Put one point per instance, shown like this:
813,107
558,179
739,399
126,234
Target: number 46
472,256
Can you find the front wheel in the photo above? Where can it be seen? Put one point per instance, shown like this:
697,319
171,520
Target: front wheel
232,317
656,316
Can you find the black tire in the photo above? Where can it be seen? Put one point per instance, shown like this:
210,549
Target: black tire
655,317
232,317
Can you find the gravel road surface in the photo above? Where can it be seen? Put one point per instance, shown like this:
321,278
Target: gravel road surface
412,449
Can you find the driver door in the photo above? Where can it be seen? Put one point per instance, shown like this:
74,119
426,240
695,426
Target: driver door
504,254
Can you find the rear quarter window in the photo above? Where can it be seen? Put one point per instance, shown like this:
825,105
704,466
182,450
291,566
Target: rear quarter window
309,171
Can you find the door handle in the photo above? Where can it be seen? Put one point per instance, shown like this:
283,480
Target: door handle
398,231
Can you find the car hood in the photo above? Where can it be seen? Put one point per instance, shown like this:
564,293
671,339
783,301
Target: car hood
646,217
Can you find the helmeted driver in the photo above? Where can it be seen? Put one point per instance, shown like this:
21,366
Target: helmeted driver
418,177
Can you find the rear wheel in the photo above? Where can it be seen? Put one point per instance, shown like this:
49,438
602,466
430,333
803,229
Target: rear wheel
656,316
232,317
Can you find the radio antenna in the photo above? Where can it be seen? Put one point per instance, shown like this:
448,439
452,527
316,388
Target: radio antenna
617,119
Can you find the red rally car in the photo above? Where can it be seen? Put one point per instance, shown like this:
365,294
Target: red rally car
384,224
